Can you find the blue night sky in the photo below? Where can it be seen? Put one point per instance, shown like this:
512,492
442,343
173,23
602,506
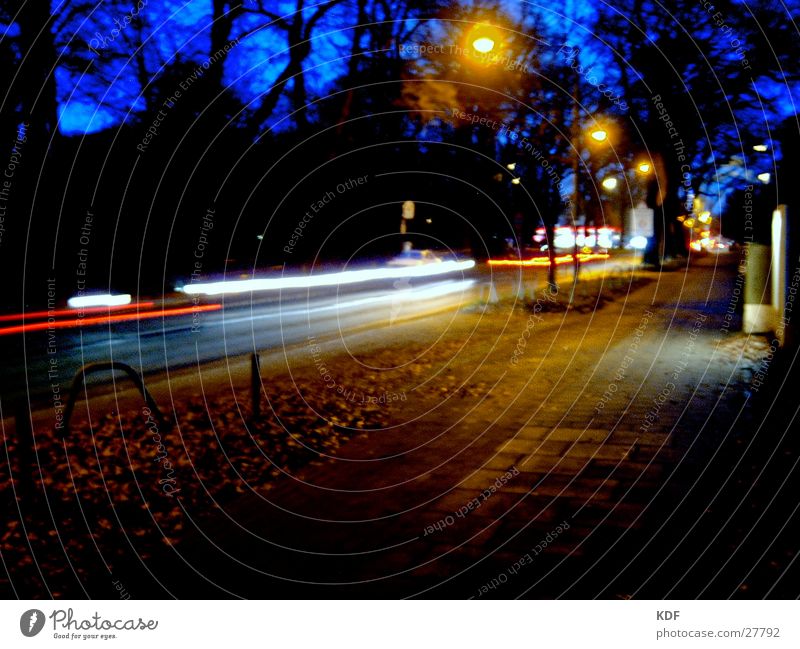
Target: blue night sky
179,32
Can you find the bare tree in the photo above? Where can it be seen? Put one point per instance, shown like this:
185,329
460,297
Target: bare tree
297,28
690,83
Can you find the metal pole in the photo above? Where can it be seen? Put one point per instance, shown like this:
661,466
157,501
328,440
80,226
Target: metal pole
255,385
26,452
575,170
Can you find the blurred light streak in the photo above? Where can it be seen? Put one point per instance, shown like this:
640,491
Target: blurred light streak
545,261
35,315
104,299
330,279
122,317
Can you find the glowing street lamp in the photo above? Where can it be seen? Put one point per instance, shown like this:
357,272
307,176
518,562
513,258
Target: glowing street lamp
761,148
644,167
483,38
764,178
599,135
511,166
705,217
610,183
483,44
515,181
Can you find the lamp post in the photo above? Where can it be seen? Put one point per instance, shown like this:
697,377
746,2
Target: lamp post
598,135
575,166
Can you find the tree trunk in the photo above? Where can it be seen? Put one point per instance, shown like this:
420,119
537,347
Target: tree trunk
36,78
34,183
298,51
223,16
550,235
352,64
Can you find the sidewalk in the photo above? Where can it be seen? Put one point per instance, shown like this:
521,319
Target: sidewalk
615,449
542,470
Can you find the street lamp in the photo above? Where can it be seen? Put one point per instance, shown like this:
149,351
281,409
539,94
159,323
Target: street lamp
483,44
765,177
511,166
610,183
761,148
483,38
598,135
644,167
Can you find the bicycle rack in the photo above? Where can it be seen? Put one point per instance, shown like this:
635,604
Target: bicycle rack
79,382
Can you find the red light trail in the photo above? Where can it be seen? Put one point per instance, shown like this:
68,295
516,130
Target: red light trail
122,317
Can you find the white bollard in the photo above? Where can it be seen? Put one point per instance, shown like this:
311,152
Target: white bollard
779,279
759,314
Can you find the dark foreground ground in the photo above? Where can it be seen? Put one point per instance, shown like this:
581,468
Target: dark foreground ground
616,449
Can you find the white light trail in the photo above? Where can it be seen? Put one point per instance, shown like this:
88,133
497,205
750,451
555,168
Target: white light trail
329,279
106,299
395,296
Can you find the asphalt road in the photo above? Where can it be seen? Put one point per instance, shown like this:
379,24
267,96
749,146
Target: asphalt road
35,362
38,364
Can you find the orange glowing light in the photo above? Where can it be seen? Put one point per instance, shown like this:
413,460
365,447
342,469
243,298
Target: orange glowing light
545,261
35,315
122,317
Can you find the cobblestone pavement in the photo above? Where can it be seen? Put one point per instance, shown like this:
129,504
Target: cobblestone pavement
557,454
